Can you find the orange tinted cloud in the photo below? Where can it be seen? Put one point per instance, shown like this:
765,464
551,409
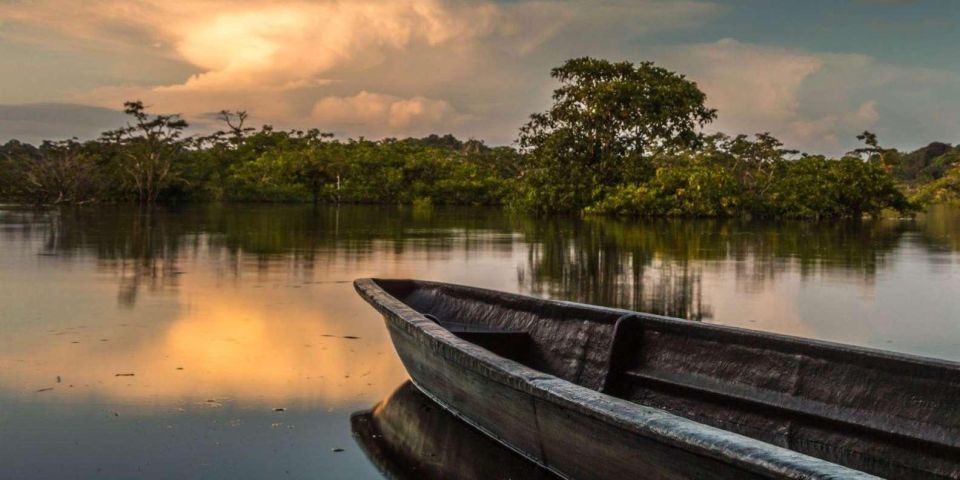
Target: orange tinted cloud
370,67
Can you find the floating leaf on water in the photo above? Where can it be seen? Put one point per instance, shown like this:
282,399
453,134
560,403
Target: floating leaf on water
124,375
45,389
336,450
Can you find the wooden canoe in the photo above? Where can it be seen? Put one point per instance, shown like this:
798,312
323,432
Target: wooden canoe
595,392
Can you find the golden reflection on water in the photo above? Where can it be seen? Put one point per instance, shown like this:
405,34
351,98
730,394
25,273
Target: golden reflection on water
246,343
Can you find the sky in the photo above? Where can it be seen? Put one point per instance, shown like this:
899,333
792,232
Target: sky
814,73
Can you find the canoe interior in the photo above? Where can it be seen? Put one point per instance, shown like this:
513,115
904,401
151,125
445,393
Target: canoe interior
891,415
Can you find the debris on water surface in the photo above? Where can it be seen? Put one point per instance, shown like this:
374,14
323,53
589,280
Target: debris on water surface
124,375
336,450
280,409
179,368
45,389
348,337
58,378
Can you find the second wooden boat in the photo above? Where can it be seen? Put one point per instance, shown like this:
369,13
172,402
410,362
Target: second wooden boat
594,392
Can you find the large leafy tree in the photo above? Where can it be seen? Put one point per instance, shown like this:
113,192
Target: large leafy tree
608,120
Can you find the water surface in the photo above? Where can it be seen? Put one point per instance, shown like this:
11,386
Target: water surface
227,342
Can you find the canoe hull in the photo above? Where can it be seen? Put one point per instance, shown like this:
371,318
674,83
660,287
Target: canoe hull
566,442
570,430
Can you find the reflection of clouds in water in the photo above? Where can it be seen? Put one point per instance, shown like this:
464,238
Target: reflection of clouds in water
231,343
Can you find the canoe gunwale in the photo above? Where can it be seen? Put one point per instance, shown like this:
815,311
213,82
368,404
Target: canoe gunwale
652,423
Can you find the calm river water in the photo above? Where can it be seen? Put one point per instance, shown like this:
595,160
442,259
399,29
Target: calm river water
227,342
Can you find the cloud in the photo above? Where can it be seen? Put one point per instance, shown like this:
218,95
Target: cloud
474,68
371,112
748,84
37,122
813,100
400,65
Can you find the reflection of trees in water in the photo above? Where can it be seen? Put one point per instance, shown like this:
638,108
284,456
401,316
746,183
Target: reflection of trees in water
586,261
137,246
938,229
143,248
650,265
657,265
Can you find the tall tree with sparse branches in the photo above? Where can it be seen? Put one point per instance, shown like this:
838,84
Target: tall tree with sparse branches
149,148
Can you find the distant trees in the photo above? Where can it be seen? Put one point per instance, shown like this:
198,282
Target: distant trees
62,174
15,158
619,139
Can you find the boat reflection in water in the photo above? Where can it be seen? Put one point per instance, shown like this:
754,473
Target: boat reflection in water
408,436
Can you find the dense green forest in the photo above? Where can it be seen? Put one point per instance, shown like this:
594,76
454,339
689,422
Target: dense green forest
619,138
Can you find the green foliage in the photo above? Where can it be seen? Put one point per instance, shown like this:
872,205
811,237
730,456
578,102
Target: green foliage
924,165
625,140
15,159
945,189
620,139
607,121
686,187
816,187
147,152
63,173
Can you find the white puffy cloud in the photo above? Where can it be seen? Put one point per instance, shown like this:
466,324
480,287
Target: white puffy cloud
750,85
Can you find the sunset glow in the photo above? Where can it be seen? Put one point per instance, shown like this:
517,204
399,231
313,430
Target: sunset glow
411,67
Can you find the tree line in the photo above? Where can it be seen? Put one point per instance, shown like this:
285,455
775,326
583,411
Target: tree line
619,139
